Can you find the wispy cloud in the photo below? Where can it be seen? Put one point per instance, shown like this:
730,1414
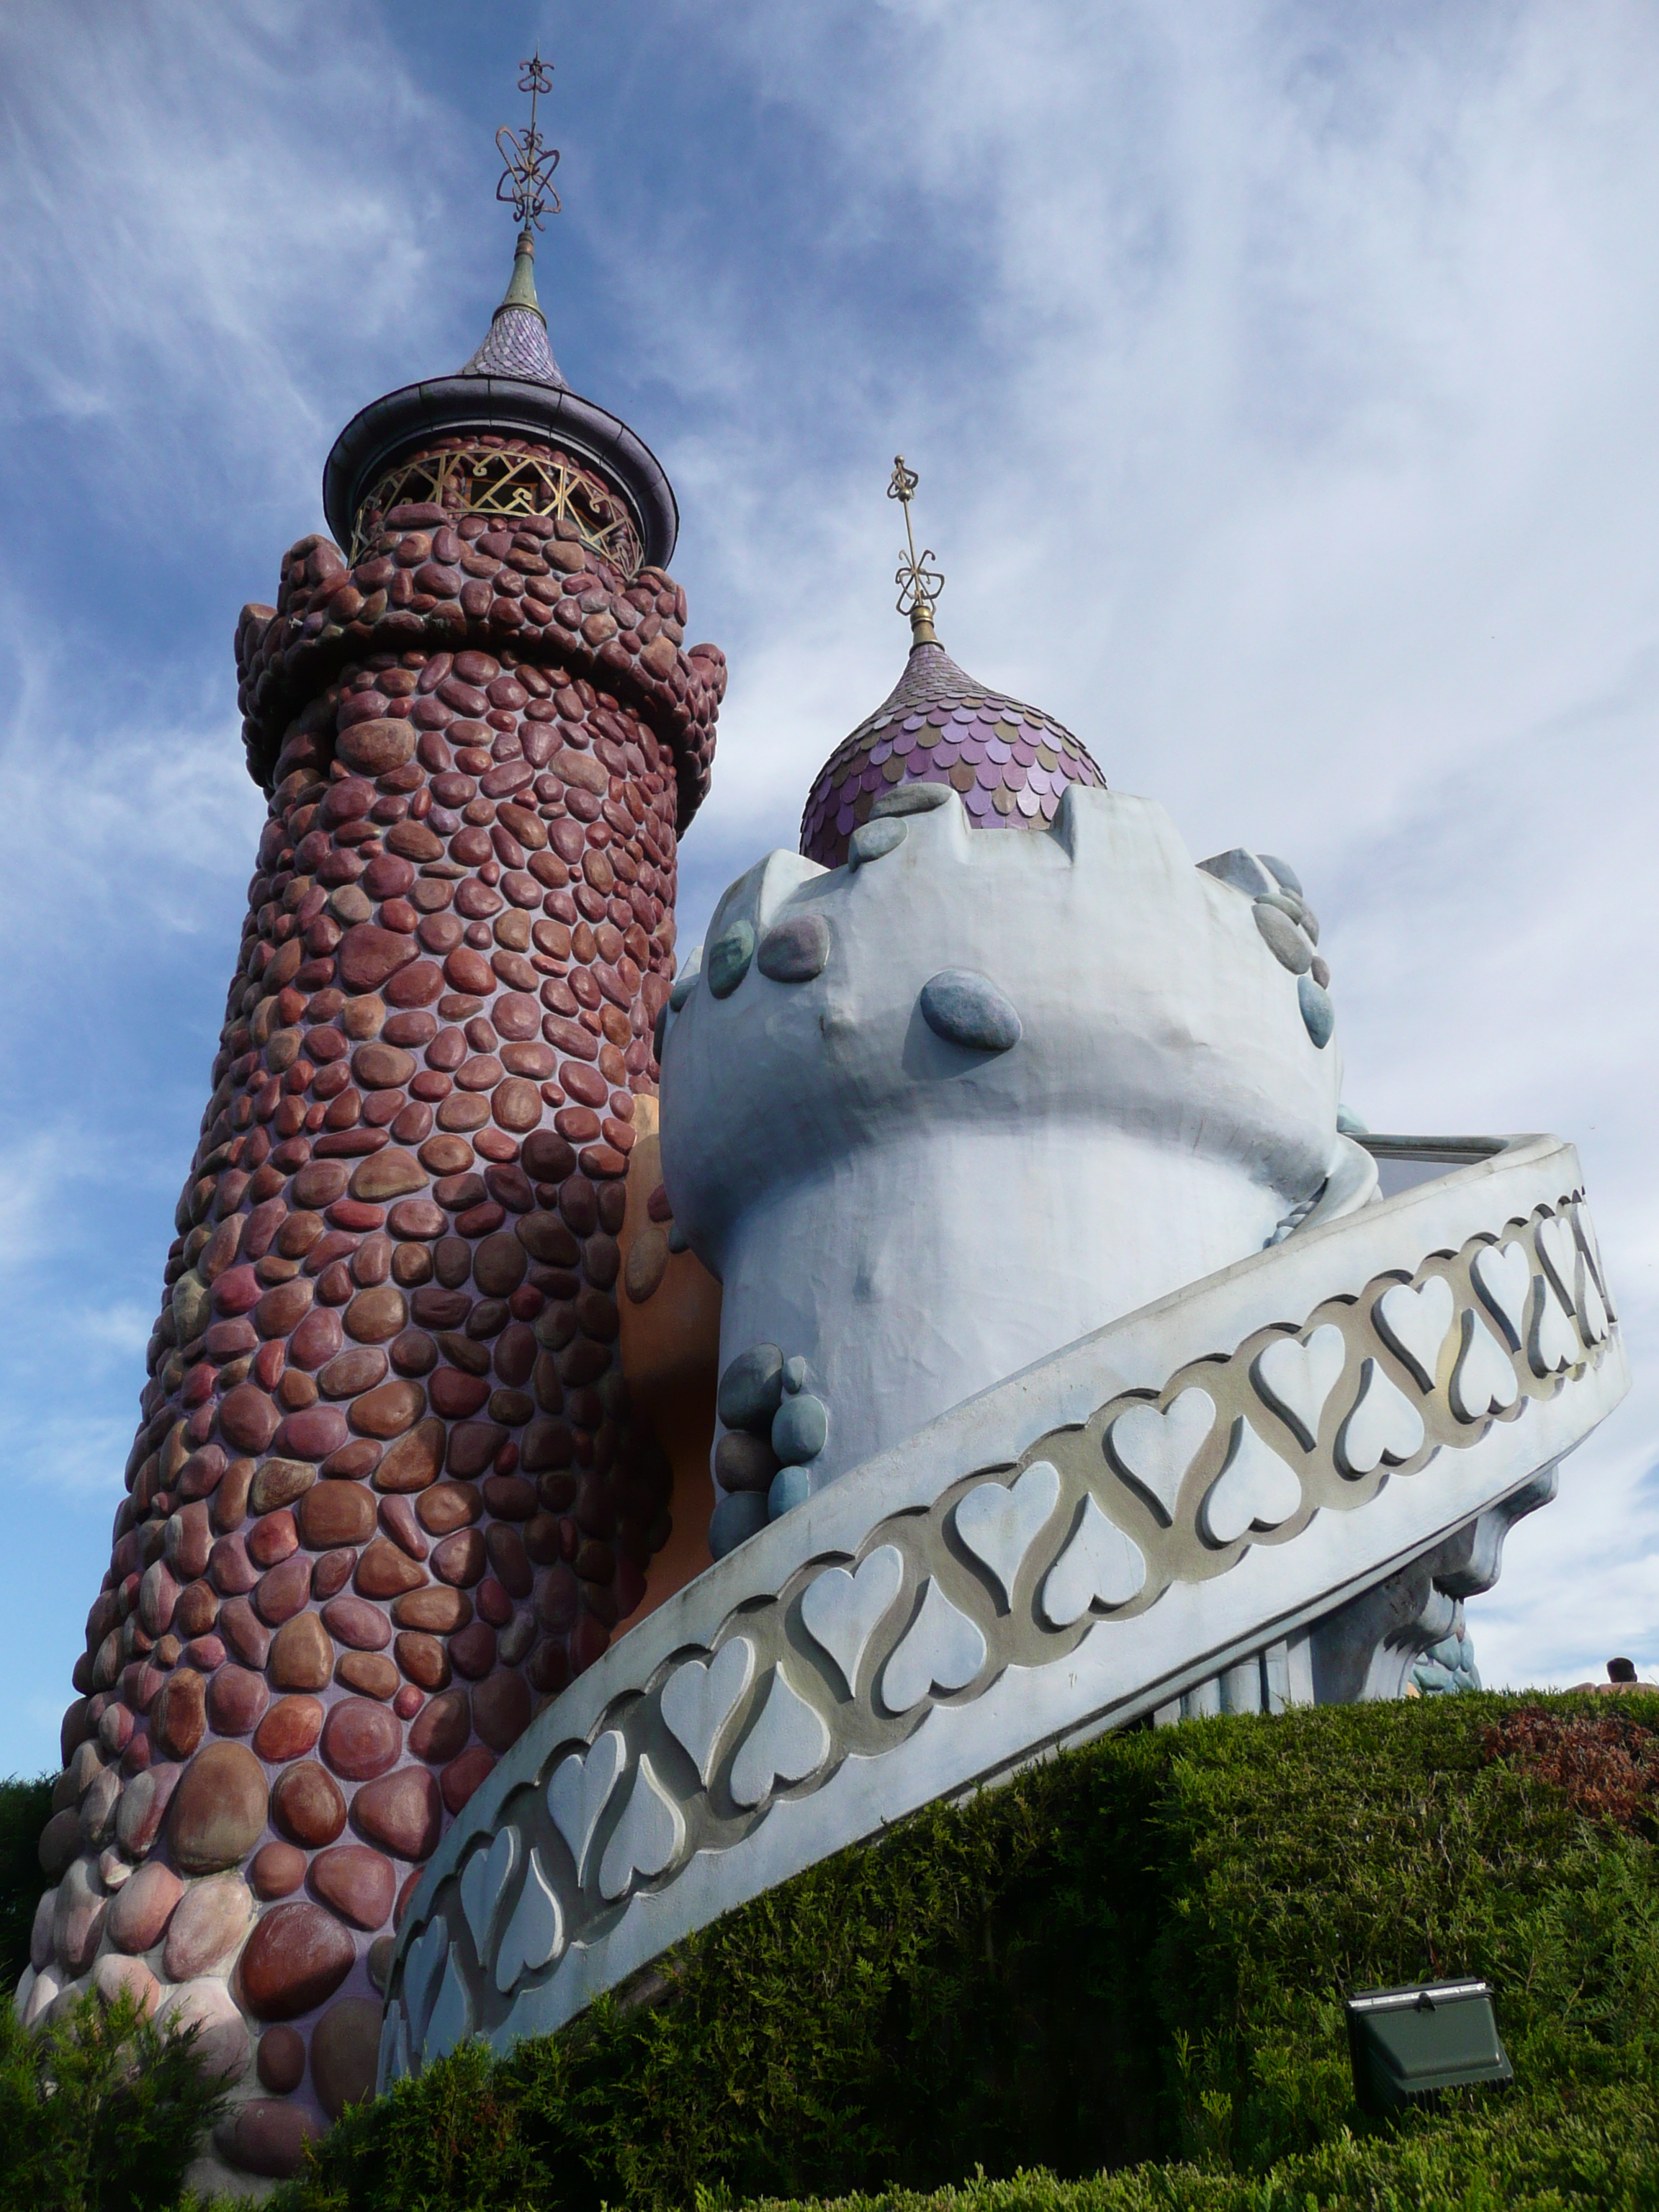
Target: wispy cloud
1280,379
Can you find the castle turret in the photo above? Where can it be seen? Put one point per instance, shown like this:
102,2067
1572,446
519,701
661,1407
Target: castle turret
938,1102
387,1492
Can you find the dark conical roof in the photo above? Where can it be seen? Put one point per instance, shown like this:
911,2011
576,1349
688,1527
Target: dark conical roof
1009,762
512,387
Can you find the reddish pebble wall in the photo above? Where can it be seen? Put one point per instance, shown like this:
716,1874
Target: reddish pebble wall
386,1491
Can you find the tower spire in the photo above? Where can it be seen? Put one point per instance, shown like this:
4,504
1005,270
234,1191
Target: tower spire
919,585
526,179
511,390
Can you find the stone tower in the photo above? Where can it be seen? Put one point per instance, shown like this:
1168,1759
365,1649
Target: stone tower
385,1491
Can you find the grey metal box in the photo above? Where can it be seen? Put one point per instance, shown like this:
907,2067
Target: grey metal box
1408,2043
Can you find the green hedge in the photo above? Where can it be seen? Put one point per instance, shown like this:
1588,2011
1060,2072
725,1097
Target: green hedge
102,2113
1130,1957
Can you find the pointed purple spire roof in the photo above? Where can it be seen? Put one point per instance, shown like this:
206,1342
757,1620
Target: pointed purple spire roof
516,343
514,387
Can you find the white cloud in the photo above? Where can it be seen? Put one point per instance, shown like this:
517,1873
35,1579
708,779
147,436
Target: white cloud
1279,377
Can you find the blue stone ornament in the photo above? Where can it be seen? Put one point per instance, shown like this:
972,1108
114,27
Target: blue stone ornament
800,1429
729,957
966,1008
1317,1011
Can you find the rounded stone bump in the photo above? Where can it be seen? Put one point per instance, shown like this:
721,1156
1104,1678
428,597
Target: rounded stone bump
751,1389
790,1486
1317,1011
795,950
800,1429
966,1008
1288,878
729,957
910,798
735,1520
1282,938
873,839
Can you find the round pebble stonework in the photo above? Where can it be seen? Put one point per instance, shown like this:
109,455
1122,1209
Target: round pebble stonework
386,1493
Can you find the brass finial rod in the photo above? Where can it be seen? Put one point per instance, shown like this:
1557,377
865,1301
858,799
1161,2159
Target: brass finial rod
526,181
920,585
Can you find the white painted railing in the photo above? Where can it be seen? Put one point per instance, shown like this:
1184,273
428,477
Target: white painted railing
1273,1472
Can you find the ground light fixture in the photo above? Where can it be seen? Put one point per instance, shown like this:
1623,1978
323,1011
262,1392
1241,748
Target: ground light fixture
1408,2043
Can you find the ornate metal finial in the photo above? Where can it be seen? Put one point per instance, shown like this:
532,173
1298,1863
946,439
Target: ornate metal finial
527,179
919,585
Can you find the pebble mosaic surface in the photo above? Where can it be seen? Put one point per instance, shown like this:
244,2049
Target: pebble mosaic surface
386,1490
1009,762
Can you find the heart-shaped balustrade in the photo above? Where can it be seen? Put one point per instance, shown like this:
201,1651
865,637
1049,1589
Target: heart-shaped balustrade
1415,1323
580,1790
1558,1251
842,1611
535,1934
1000,1525
1584,1230
943,1650
646,1839
1255,1489
1483,1381
483,1884
1503,1275
1592,1307
452,2015
788,1742
422,1969
1295,1379
395,2057
1382,1427
1152,1450
1552,1341
1100,1566
699,1698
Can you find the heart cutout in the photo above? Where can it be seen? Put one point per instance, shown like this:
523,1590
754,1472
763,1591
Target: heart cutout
1557,1251
1099,1566
1000,1525
394,2050
483,1884
421,1964
1295,1379
1503,1275
452,2016
580,1790
1483,1382
788,1741
1256,1489
535,1932
647,1837
1413,1323
699,1698
1153,1449
943,1650
1382,1428
842,1611
1552,1343
1592,1309
1584,1230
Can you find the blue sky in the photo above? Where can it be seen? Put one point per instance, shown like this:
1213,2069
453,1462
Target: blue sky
1280,380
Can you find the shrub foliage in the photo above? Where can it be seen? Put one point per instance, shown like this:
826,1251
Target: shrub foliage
101,2113
25,1808
1131,1957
